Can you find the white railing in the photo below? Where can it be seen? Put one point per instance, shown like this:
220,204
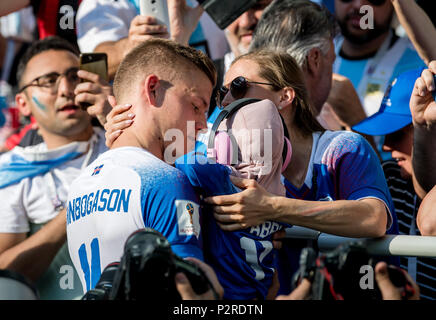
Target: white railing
396,245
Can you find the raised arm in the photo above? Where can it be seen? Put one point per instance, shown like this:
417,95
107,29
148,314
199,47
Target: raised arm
418,26
141,29
423,109
116,32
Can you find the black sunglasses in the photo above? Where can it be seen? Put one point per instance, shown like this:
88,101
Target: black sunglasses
238,89
373,2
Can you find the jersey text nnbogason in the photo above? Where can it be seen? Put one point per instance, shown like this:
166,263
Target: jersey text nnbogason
105,200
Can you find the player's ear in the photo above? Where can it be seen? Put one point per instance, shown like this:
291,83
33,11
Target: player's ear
151,86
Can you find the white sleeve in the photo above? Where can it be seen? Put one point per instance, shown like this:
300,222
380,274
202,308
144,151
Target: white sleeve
100,21
13,217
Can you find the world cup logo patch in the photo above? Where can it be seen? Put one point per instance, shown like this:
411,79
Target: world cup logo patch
188,217
190,209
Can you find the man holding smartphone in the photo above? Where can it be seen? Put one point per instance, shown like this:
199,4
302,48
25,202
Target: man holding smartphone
34,180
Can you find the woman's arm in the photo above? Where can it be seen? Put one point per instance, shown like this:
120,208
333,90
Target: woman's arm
254,205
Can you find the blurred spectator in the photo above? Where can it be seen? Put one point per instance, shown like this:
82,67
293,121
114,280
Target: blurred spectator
306,31
17,30
16,34
115,27
53,17
369,53
241,31
35,180
239,35
395,121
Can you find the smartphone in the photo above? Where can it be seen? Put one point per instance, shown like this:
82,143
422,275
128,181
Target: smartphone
224,12
95,63
157,9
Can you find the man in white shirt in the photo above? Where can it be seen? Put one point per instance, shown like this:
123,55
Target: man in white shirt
34,181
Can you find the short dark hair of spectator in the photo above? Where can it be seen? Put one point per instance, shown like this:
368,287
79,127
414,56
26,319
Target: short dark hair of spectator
49,43
295,26
162,57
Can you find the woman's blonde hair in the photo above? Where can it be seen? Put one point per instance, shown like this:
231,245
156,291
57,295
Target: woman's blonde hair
281,70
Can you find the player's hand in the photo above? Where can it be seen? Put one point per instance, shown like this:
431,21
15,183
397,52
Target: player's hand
118,119
245,209
183,20
387,288
185,289
94,91
422,103
143,28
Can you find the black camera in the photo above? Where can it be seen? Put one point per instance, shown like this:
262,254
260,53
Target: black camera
224,12
346,273
104,285
147,272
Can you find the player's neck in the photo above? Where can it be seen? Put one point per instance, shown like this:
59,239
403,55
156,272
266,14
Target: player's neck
54,141
149,142
356,50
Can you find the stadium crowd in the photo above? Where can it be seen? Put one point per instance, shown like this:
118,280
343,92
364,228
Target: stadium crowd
318,114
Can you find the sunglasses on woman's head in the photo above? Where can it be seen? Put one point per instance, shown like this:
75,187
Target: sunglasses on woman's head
373,2
238,89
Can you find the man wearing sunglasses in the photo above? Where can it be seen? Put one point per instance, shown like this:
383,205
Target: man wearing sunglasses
34,181
370,54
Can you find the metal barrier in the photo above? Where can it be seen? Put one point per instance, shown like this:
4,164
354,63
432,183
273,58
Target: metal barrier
396,245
